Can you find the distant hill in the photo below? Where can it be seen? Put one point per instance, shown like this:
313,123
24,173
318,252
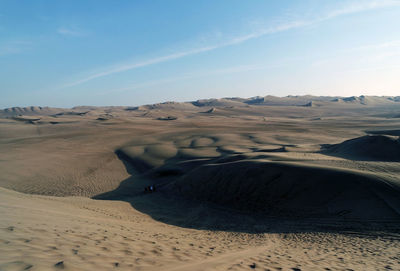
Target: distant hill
30,111
234,102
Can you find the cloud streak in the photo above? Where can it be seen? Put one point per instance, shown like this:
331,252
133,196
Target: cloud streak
378,46
230,70
361,6
70,32
14,47
369,53
347,10
381,68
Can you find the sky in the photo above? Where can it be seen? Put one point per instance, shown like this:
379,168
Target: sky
70,53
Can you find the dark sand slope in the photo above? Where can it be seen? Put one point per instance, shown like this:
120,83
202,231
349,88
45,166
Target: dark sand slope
263,182
290,189
370,147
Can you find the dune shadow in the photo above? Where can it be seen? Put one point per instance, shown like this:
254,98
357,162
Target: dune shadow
170,208
384,132
379,146
164,205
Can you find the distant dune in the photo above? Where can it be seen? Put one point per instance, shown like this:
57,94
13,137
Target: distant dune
306,100
31,110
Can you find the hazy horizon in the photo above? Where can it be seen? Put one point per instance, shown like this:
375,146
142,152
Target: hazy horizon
65,54
193,100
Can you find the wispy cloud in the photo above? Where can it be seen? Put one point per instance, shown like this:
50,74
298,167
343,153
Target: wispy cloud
381,51
14,47
68,31
131,66
380,68
361,6
186,76
368,53
356,7
378,46
236,40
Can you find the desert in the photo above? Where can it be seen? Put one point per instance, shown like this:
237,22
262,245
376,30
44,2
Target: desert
262,183
212,135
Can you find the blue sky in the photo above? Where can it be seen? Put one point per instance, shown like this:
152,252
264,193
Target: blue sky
67,53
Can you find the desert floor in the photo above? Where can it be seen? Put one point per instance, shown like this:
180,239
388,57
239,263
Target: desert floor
301,184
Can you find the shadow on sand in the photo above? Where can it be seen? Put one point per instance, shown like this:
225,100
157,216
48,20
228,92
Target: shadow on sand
170,208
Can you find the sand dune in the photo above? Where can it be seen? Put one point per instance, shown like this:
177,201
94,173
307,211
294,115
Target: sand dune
291,189
218,103
270,180
32,110
50,233
370,147
372,101
260,183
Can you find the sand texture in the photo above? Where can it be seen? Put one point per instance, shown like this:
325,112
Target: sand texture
266,183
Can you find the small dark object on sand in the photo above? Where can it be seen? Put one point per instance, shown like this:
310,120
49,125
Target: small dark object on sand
60,265
167,118
150,189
